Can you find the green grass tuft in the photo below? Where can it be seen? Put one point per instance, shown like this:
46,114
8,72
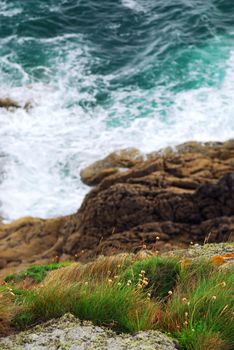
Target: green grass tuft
36,272
200,313
162,274
120,307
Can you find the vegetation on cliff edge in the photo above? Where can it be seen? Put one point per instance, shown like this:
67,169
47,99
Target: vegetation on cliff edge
192,300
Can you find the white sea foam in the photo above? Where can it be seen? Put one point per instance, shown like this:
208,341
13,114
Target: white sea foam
47,147
132,4
9,10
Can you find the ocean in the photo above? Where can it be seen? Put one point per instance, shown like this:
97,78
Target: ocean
105,75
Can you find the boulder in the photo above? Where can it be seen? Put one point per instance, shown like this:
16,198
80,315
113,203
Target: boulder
113,163
69,333
8,103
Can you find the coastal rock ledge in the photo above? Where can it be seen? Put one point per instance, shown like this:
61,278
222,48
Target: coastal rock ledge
161,201
69,333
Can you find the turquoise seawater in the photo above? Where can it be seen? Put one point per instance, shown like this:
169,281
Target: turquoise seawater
103,75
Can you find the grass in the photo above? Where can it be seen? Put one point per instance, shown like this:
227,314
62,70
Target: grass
194,303
36,272
121,308
200,311
159,275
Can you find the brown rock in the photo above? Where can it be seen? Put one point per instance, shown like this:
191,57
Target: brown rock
163,202
28,241
8,103
125,158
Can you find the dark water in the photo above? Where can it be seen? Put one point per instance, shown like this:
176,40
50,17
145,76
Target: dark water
103,75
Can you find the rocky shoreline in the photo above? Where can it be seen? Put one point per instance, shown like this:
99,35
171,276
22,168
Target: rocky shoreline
162,201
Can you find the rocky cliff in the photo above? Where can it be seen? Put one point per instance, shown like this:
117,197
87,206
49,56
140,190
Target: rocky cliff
162,200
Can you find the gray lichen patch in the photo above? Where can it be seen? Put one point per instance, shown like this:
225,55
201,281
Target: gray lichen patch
68,333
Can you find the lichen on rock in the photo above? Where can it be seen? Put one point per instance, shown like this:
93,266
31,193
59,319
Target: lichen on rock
68,333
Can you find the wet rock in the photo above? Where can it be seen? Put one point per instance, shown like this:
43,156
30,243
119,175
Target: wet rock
8,103
113,163
69,333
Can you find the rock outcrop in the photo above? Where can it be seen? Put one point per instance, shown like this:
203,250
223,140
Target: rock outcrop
27,241
163,202
112,164
10,104
69,333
